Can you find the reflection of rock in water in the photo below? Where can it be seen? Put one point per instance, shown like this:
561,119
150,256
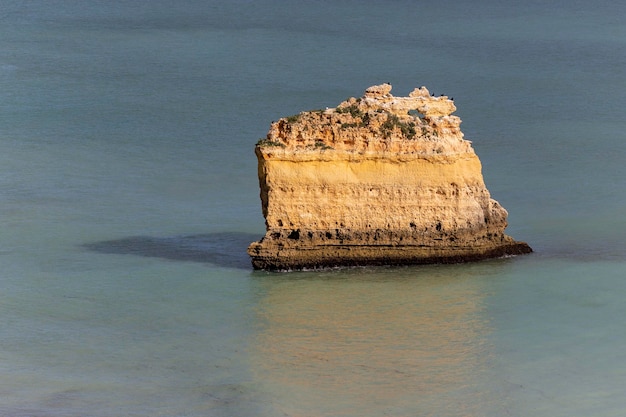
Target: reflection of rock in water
349,347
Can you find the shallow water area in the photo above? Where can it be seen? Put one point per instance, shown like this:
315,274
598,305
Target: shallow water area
129,193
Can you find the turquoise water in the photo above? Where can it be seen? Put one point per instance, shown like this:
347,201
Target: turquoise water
128,194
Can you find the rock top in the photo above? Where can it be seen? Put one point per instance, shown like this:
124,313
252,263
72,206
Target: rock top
376,122
376,180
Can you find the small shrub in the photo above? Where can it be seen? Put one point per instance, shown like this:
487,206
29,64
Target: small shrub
293,119
393,122
408,129
321,145
264,142
353,109
365,120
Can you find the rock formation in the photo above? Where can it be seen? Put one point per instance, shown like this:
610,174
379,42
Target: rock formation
378,180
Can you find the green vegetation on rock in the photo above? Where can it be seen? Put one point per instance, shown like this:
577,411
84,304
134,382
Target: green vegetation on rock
264,142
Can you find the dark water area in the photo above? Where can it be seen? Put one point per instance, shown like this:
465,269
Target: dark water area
129,193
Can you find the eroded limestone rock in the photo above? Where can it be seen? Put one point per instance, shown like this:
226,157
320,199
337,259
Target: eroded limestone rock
377,180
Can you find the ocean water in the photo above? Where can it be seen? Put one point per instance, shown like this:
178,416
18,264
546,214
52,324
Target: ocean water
128,195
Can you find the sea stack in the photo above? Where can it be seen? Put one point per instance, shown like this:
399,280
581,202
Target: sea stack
377,180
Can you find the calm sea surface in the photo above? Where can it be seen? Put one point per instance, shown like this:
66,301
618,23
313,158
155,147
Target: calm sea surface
128,195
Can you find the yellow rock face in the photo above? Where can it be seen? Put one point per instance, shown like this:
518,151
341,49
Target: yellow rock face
377,180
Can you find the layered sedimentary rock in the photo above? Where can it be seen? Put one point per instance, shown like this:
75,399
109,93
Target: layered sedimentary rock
378,180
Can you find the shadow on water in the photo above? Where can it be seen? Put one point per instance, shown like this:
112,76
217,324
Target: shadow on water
225,249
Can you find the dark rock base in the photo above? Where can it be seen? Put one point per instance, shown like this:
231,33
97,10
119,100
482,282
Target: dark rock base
277,257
